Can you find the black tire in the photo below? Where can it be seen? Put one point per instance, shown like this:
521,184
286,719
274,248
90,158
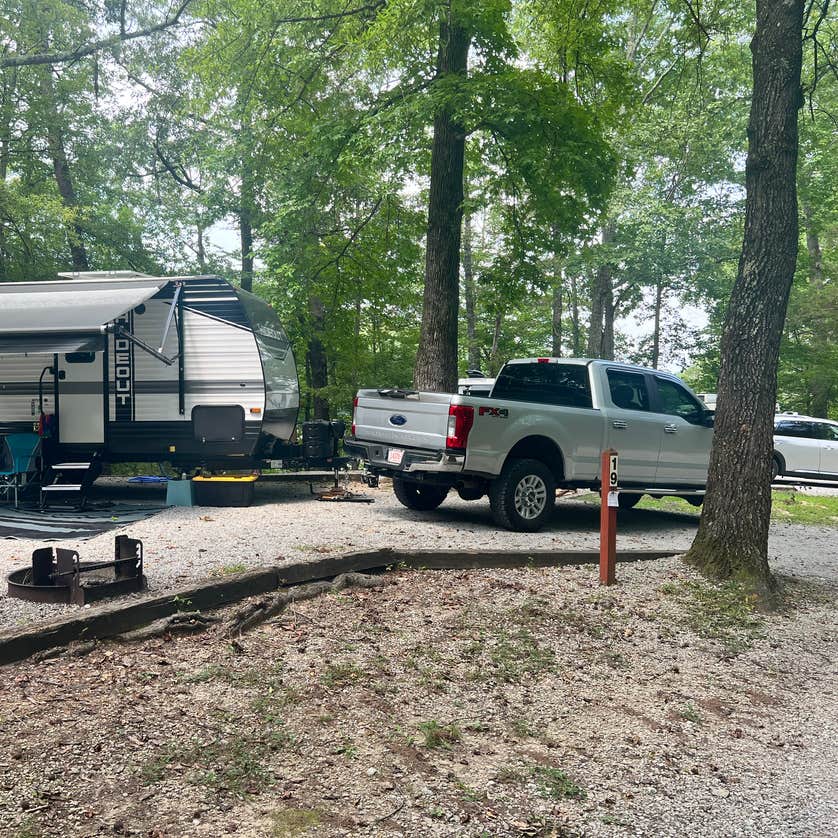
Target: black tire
628,501
419,496
523,496
469,493
776,468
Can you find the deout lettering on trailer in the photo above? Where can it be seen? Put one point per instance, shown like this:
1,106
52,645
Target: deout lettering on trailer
124,368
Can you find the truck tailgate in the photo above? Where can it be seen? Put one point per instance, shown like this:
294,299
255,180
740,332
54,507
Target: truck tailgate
416,421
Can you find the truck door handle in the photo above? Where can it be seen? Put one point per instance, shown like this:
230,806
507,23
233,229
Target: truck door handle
670,429
618,423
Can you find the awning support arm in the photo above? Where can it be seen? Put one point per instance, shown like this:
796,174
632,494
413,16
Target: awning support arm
120,332
172,309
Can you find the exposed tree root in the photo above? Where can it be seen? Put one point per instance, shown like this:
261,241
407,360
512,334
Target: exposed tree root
74,650
185,622
267,607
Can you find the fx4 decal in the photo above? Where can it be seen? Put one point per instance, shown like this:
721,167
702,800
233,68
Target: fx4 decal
501,412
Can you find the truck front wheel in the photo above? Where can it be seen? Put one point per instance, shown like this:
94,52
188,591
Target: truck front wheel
523,496
419,496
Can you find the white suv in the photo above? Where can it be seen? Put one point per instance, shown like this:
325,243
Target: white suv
805,447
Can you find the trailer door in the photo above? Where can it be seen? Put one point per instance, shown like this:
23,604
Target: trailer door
81,405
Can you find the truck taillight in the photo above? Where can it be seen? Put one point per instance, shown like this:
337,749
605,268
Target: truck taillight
460,420
354,408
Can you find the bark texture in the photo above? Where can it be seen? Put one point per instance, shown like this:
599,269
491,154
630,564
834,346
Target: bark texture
470,293
557,317
317,359
436,359
61,171
601,332
813,246
246,209
656,331
732,538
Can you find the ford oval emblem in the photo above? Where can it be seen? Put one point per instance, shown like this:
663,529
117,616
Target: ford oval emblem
398,419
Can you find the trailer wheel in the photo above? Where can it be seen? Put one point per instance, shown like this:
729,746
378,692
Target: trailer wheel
418,496
523,496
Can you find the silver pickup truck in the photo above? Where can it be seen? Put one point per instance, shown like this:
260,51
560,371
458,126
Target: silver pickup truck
543,426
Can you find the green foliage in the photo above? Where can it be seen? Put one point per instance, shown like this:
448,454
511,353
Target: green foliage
554,784
435,735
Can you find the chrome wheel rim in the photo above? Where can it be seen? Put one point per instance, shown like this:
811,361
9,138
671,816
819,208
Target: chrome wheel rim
530,496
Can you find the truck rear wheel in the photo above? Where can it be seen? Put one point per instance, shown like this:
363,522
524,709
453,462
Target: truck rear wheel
419,496
523,496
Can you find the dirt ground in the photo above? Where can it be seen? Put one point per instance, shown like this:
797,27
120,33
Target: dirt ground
482,703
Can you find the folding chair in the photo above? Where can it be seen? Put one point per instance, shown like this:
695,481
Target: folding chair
22,456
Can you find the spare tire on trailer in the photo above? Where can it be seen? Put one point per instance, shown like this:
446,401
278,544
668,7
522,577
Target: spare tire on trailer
419,496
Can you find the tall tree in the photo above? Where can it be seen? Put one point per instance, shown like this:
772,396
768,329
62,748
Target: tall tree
436,358
732,538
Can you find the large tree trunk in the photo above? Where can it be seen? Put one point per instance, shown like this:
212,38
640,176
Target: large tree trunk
601,332
61,170
436,359
656,334
813,246
200,249
246,208
574,315
9,83
557,315
470,293
732,538
494,353
317,360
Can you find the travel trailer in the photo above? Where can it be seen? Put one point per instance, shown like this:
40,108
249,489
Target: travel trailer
121,366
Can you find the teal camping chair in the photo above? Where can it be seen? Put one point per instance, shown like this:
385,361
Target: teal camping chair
19,461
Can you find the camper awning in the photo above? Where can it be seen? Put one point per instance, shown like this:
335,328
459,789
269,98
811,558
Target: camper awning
66,316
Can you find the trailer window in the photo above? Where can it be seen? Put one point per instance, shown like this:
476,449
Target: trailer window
559,384
80,357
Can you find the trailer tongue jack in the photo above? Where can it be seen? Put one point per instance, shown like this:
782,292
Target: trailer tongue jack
339,492
57,575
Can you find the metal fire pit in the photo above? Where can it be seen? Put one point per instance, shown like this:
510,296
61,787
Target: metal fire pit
57,575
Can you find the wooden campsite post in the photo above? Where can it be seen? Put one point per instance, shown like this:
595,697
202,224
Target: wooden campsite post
608,519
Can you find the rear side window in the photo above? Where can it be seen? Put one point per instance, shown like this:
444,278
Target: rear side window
560,384
628,390
800,430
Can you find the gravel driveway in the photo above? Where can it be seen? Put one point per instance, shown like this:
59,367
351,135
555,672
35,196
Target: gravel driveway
185,545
